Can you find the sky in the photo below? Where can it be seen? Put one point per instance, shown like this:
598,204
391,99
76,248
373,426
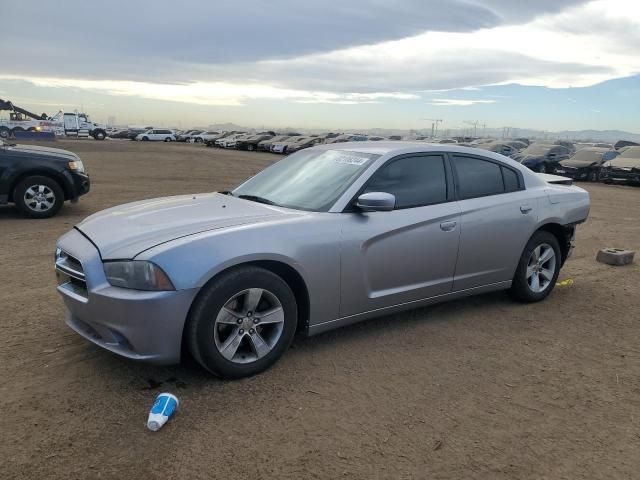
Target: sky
545,64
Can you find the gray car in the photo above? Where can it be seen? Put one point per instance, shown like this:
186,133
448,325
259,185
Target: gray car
326,237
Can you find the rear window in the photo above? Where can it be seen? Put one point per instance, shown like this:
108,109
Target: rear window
477,178
511,180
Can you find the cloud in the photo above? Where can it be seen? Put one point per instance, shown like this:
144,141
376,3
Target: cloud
456,102
214,93
364,51
171,42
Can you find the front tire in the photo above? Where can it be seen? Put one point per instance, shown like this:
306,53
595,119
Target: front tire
38,197
242,322
251,147
542,168
594,176
538,268
168,139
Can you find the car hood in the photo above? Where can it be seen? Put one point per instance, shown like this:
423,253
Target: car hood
520,157
127,230
577,163
622,162
44,151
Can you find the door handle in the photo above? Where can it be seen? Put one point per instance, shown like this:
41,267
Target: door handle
525,209
447,226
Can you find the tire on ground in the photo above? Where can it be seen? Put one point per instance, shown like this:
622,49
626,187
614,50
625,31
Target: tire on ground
199,331
25,184
520,289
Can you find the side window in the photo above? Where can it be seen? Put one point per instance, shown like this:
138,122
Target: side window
415,181
510,178
477,178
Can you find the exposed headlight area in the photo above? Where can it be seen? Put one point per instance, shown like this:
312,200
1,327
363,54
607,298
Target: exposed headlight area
76,166
137,275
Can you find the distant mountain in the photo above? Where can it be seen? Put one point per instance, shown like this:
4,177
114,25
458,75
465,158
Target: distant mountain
600,135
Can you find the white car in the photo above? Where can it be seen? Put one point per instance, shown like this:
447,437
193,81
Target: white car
204,136
157,135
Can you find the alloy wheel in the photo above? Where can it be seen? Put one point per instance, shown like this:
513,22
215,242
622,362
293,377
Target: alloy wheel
541,268
39,198
249,325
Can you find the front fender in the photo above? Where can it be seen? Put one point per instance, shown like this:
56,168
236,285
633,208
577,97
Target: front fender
311,248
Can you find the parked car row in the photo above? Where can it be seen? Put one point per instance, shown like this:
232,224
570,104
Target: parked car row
597,161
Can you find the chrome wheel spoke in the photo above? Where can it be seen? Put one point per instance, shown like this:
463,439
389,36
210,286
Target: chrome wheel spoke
546,255
530,271
535,282
535,255
275,315
546,273
258,344
252,299
229,348
228,317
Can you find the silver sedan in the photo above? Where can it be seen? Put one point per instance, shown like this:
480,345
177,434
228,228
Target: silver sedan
326,237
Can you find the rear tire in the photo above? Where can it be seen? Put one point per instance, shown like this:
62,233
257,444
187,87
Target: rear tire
224,317
535,277
251,147
38,197
5,132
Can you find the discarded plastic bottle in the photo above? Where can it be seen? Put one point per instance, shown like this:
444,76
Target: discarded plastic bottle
163,408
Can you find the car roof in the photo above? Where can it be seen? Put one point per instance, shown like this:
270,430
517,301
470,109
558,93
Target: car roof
400,147
595,149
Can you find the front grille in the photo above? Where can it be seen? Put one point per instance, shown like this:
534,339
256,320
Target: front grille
70,274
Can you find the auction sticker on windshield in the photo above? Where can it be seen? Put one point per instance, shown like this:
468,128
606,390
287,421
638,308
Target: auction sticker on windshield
350,159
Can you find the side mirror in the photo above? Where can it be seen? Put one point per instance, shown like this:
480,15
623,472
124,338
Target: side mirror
376,202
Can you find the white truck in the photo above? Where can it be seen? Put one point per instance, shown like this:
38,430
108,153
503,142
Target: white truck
62,124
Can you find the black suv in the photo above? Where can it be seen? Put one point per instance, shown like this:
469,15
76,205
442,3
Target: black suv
39,179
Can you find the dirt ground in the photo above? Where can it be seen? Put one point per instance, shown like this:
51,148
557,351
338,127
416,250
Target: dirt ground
478,388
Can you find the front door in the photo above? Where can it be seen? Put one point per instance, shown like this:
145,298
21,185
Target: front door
408,254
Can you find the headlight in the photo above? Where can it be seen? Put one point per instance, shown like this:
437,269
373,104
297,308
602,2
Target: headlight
138,275
77,166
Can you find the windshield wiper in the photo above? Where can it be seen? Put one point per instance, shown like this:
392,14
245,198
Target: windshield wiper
255,198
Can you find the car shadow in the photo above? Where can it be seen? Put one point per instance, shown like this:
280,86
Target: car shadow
189,375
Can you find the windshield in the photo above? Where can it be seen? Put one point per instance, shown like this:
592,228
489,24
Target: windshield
308,180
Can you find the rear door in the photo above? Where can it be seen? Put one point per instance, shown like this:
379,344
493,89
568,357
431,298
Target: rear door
407,254
497,220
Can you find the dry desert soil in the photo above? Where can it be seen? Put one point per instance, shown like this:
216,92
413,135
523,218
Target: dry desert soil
478,388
